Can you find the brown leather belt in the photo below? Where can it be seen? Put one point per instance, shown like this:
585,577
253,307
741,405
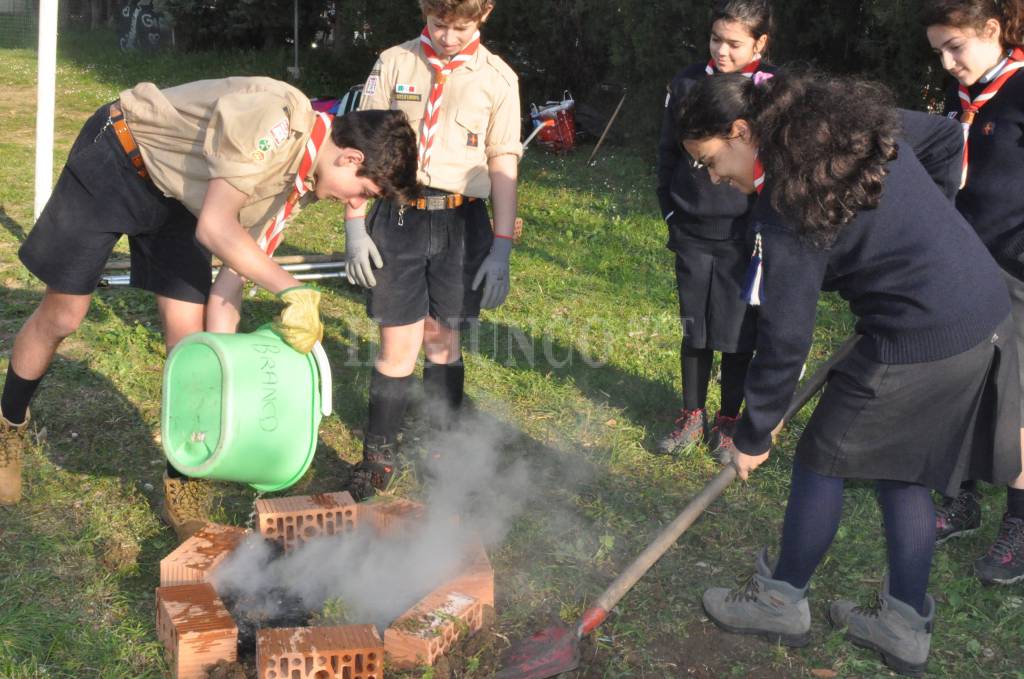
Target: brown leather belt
127,141
445,201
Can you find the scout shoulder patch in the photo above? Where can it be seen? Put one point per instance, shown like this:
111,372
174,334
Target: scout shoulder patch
407,97
263,144
279,131
407,93
472,139
371,85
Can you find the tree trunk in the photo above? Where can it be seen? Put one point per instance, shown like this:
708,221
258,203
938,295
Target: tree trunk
96,8
338,30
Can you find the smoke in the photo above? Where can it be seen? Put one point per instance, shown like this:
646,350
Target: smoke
472,494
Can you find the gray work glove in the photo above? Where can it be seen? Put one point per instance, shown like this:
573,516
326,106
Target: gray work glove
495,271
360,250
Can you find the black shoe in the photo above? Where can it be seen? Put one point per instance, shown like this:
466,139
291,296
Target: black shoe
376,470
1004,562
957,517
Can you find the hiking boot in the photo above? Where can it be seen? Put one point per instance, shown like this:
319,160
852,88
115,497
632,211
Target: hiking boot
186,506
772,609
721,436
890,627
691,428
1004,562
13,439
957,516
376,470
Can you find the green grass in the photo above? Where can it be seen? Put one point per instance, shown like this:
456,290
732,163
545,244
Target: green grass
593,301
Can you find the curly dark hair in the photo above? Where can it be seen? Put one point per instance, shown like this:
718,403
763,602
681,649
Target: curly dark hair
824,141
974,14
388,143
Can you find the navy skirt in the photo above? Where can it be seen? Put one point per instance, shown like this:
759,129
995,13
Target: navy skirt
935,424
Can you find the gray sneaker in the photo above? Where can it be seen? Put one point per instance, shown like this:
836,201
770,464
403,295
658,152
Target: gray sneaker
772,609
891,627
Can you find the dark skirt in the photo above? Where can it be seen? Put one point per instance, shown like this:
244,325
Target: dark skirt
709,276
1016,288
935,424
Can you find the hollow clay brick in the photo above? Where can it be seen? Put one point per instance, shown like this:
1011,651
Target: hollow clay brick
195,559
345,652
195,628
291,521
475,578
391,516
430,628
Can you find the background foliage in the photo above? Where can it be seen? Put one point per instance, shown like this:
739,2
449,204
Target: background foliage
570,44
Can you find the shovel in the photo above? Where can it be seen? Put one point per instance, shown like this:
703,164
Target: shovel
557,649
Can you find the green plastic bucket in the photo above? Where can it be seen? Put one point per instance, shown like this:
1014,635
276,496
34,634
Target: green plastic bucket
243,407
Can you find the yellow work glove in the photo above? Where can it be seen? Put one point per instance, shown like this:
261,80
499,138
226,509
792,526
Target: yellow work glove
299,323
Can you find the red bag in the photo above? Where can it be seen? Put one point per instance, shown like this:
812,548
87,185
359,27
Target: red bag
559,137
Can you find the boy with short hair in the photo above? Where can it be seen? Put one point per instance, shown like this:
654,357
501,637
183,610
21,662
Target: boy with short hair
430,264
209,166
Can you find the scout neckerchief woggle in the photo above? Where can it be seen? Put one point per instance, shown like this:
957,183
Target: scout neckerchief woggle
273,232
753,285
442,70
748,70
970,107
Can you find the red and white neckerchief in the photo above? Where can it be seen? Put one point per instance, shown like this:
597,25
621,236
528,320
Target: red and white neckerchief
748,70
441,72
273,232
970,107
758,175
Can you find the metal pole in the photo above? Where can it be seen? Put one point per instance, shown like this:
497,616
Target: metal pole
45,102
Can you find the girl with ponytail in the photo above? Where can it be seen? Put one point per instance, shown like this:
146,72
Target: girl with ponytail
981,44
707,226
843,204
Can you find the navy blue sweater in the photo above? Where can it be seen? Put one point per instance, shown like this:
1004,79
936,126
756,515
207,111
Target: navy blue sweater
919,281
690,204
993,200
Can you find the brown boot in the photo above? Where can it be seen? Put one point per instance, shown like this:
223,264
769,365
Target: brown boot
13,439
186,505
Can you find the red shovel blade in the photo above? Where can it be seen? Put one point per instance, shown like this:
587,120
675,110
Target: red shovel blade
545,654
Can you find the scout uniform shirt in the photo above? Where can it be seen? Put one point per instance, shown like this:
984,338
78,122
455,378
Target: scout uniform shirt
479,116
251,132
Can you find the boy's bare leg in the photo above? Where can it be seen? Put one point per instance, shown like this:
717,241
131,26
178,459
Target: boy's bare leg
440,343
224,308
399,349
180,319
57,316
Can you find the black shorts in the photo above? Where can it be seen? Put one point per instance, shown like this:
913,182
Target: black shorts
709,279
1016,288
98,198
429,263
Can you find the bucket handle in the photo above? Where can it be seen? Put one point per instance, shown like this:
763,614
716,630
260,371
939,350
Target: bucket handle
326,389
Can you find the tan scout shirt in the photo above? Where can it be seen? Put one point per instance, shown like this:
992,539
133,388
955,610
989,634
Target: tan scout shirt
250,131
479,113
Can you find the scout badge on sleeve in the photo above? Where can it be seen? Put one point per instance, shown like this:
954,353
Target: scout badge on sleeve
273,232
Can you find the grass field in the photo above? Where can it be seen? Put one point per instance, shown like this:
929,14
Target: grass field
579,369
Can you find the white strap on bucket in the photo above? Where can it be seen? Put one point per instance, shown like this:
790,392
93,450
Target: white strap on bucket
326,389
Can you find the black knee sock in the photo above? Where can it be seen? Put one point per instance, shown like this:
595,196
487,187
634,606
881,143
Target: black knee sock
1015,502
388,397
812,518
734,374
909,516
17,394
444,382
696,366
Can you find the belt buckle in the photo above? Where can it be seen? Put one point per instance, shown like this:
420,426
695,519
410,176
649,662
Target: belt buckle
437,202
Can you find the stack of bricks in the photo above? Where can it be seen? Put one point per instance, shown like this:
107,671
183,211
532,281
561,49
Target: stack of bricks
195,628
391,516
345,652
430,628
195,559
292,521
